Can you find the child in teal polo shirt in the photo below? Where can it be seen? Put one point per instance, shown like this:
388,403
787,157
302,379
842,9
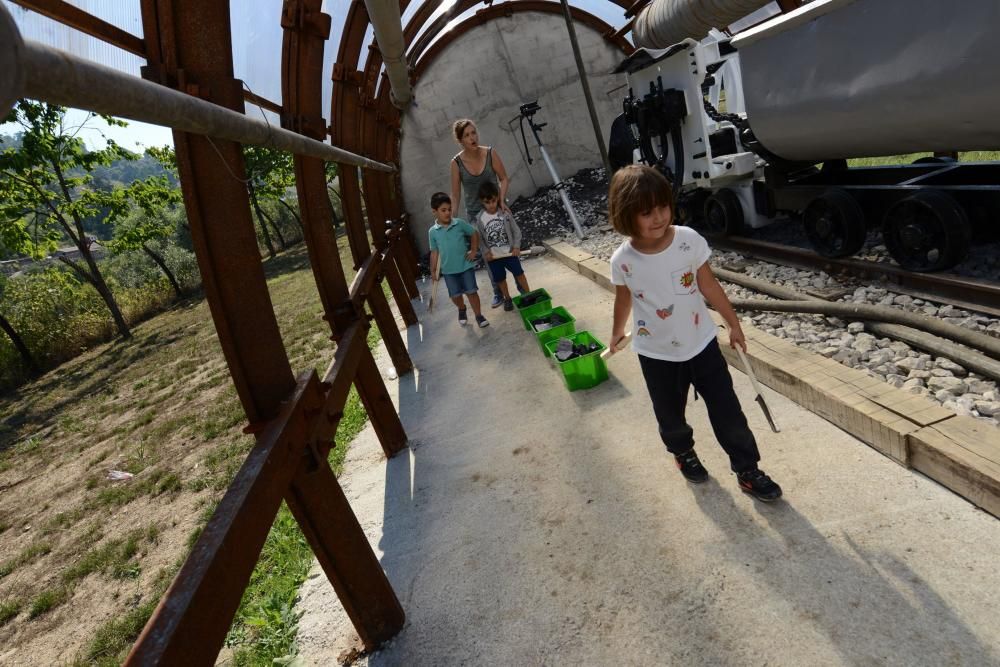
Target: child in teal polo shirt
454,244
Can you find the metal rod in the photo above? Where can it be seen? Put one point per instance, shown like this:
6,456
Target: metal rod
560,188
57,77
586,87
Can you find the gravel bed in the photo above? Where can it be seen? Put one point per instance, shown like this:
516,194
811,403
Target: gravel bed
542,216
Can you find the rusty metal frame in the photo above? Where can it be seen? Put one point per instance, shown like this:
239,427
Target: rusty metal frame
74,17
424,59
417,47
294,420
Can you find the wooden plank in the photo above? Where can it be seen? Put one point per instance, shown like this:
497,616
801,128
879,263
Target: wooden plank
956,466
597,270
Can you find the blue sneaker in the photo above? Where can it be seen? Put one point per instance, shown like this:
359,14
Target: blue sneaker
497,301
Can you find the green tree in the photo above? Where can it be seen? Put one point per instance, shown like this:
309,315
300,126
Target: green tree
149,222
45,193
22,349
270,173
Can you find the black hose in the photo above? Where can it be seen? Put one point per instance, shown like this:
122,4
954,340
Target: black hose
930,342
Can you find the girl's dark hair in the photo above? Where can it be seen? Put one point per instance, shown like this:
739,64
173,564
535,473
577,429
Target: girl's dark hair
488,190
458,127
439,198
636,189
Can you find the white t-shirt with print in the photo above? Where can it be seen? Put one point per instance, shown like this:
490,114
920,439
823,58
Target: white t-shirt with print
496,234
670,320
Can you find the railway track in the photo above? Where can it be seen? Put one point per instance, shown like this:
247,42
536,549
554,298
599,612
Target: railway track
968,293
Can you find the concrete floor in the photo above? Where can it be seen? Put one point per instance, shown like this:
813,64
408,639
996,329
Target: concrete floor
529,525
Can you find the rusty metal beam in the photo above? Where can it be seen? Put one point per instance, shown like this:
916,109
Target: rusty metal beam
218,209
377,195
189,625
789,5
263,102
505,9
302,58
76,18
344,115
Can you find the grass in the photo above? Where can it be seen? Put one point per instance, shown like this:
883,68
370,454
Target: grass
968,156
161,406
265,625
32,553
9,609
48,600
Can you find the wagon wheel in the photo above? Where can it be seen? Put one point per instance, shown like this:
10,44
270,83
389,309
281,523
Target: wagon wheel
724,213
835,224
928,231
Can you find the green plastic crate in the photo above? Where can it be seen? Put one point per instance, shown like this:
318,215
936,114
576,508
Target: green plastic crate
582,372
567,328
529,313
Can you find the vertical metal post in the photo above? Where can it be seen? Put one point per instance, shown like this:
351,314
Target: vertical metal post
586,88
194,49
346,112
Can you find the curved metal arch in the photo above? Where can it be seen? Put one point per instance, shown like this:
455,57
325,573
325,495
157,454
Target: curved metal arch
507,9
414,52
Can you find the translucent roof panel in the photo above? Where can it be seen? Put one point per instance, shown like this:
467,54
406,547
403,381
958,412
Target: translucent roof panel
125,15
257,37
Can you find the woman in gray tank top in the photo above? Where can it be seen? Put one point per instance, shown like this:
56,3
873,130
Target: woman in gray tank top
473,166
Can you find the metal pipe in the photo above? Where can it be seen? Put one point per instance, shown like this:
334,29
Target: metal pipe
561,189
388,26
664,23
40,72
586,87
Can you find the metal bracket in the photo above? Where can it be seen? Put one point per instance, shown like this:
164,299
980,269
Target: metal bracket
343,74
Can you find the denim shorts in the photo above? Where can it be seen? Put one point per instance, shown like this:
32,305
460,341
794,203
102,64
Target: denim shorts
512,264
461,283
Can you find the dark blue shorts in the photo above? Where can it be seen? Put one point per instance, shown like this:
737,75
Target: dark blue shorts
512,264
461,283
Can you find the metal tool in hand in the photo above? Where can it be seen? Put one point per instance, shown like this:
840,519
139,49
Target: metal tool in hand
622,342
756,388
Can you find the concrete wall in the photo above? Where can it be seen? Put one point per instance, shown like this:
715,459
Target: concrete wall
486,75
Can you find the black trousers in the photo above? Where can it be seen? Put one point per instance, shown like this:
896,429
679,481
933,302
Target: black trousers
668,383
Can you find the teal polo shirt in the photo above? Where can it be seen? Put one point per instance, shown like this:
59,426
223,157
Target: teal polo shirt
452,242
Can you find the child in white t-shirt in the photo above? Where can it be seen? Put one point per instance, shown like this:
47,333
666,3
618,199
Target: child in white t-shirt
501,239
661,274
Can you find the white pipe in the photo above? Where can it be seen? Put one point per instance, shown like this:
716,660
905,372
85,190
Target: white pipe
664,23
388,27
42,73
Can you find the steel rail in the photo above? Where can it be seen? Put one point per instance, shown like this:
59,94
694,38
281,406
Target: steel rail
968,293
50,75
